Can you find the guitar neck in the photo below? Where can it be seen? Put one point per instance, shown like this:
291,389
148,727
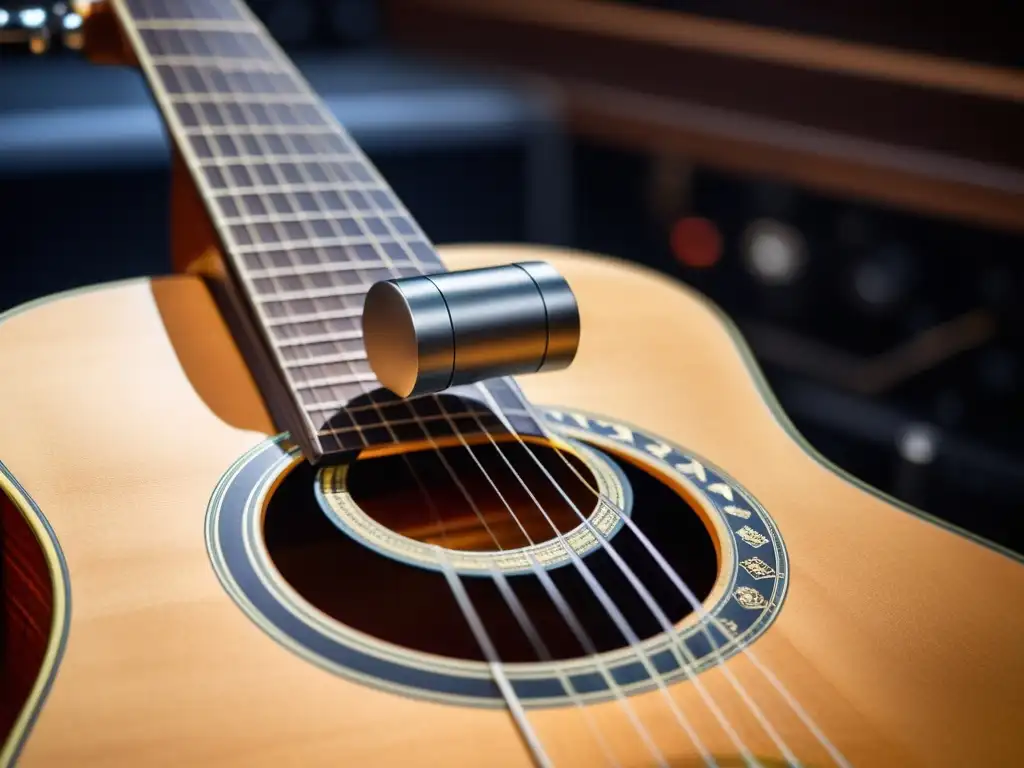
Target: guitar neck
306,223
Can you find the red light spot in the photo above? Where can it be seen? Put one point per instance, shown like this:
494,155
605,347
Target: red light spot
696,242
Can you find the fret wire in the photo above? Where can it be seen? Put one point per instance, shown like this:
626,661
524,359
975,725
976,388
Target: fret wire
325,186
465,415
313,292
310,362
323,338
331,406
239,65
210,130
224,160
206,131
244,130
315,243
192,25
295,218
268,99
314,269
355,377
335,405
246,45
359,410
338,314
146,10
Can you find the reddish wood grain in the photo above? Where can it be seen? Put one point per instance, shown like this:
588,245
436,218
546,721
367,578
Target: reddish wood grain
26,610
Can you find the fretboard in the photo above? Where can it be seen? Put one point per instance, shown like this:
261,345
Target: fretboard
306,222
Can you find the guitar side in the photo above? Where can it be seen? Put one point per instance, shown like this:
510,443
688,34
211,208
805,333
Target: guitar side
123,406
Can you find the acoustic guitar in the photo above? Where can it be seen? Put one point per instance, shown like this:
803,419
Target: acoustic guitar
226,542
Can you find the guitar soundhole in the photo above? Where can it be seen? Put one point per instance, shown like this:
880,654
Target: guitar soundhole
453,504
411,606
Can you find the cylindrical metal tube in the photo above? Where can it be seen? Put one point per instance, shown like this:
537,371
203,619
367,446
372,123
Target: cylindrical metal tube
427,333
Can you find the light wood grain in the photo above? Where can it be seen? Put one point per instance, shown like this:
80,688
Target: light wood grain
121,408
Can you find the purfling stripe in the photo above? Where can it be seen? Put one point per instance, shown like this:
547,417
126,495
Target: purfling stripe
746,606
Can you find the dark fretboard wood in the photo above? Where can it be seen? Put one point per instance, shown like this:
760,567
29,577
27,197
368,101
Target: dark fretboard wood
306,222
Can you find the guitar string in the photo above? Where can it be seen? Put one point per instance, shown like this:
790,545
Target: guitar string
456,429
274,281
484,640
691,598
717,712
468,610
554,595
527,626
461,597
544,654
696,605
705,616
679,648
329,118
712,705
487,393
493,661
497,672
549,586
523,726
610,608
652,605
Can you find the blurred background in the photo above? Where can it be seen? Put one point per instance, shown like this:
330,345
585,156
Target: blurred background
846,180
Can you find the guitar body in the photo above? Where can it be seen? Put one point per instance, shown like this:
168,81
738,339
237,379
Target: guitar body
123,407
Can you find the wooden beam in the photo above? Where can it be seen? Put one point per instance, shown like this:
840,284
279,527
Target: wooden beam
937,136
923,182
684,31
